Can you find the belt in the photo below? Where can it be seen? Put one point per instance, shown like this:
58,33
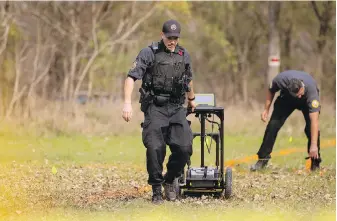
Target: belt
161,100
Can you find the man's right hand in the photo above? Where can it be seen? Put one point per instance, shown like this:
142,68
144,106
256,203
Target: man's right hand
264,115
127,112
192,105
313,151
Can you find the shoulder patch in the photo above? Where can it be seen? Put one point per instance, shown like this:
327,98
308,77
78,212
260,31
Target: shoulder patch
154,45
315,104
134,65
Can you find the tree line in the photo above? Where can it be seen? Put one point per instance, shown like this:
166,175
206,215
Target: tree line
58,50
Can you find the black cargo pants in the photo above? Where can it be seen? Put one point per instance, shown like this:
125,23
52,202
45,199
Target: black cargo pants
166,125
283,107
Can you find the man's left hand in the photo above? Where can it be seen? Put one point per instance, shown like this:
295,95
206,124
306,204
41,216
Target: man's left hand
192,105
313,152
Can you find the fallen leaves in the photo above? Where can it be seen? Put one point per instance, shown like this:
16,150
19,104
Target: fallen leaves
98,186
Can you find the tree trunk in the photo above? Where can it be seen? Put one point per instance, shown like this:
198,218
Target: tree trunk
274,41
319,69
17,93
245,76
324,17
287,46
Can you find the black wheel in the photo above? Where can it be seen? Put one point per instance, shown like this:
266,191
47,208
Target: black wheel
228,183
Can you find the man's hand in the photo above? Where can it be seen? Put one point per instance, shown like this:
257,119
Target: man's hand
192,105
313,152
264,115
127,112
269,99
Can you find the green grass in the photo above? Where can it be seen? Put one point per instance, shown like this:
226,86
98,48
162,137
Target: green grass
171,211
97,166
130,150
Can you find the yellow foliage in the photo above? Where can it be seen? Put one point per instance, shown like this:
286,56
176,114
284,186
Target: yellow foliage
178,6
13,31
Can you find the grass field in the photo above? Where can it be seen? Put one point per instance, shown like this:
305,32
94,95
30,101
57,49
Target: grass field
90,165
104,178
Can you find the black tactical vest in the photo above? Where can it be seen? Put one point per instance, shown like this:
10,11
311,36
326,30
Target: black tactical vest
167,72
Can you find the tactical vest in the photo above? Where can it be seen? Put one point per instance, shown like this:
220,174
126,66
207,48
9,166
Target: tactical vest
166,76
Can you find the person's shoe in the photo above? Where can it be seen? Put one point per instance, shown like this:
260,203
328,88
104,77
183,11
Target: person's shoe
315,164
157,195
170,192
259,165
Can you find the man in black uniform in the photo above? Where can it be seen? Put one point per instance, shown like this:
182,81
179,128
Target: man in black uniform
165,70
298,91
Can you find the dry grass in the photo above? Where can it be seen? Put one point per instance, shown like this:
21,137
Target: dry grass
95,174
105,119
28,189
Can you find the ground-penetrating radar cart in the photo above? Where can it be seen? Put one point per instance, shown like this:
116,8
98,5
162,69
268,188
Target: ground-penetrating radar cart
201,180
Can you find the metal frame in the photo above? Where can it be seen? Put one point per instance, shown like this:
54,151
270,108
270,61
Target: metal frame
204,112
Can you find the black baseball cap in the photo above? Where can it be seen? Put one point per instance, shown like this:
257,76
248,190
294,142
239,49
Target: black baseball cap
171,28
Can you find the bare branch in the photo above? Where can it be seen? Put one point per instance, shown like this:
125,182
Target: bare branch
315,8
94,25
15,98
4,39
37,51
16,93
103,11
47,67
50,23
136,25
109,43
120,26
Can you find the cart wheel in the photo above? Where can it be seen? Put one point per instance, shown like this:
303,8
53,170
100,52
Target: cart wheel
228,182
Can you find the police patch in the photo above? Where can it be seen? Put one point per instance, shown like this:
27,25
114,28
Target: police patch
315,103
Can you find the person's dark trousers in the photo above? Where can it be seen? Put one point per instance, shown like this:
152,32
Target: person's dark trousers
166,125
315,162
282,110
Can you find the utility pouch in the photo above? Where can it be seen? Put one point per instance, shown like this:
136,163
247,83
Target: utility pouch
145,100
161,100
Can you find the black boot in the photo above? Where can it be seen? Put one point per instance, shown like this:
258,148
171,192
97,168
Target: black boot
169,188
170,191
157,195
315,164
259,165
